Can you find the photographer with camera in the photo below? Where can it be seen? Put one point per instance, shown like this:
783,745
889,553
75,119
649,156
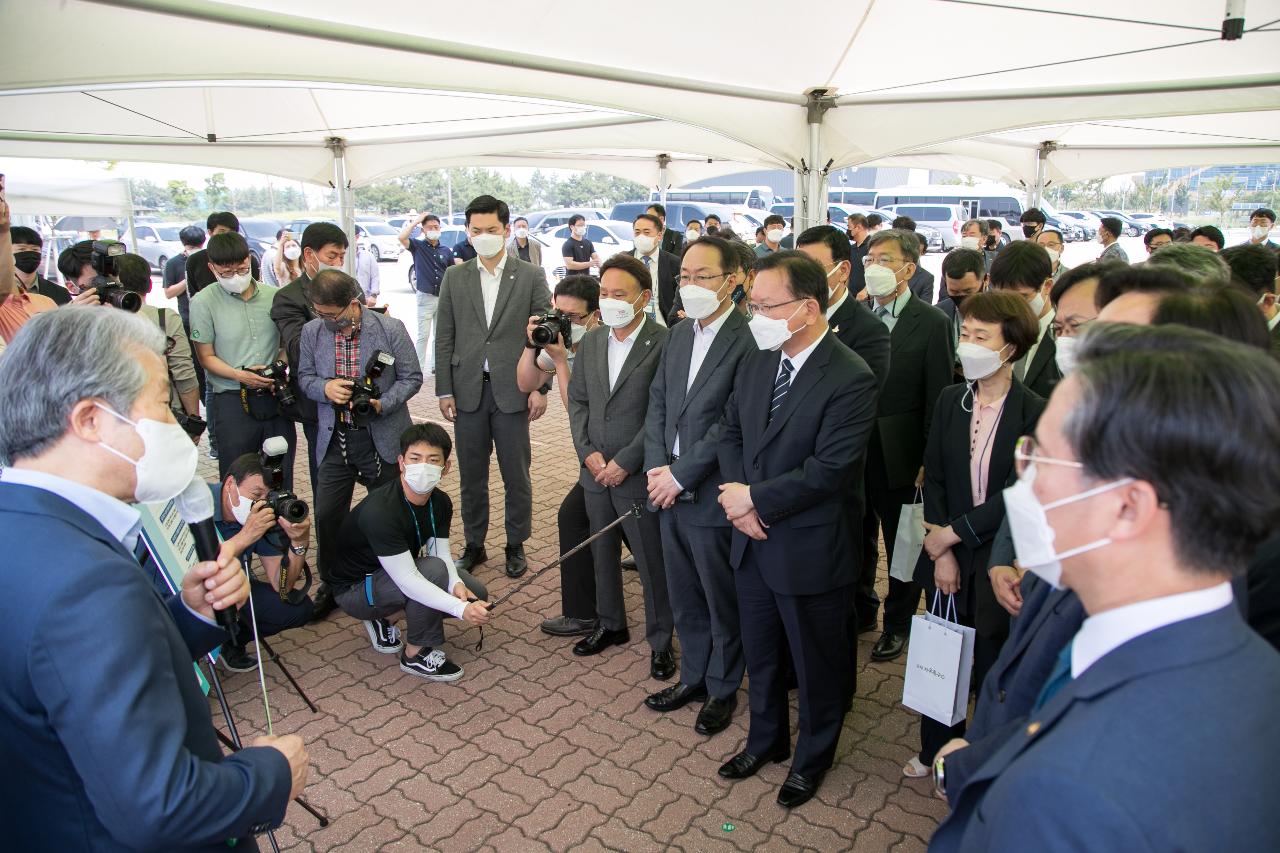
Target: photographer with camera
89,268
553,339
239,347
248,521
360,366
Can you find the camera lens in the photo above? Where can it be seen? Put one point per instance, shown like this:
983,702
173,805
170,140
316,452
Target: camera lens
125,300
544,334
293,510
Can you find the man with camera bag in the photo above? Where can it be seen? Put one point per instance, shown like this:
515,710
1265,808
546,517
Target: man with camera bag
239,346
360,366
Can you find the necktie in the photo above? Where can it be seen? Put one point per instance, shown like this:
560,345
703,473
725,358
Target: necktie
781,387
652,307
882,312
1059,678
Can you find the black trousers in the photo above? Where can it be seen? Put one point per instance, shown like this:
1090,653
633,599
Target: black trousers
577,573
884,508
311,429
350,458
237,432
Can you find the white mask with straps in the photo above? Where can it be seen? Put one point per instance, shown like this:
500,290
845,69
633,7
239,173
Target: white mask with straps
168,459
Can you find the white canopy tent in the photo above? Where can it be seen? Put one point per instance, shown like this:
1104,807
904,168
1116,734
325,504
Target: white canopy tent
361,93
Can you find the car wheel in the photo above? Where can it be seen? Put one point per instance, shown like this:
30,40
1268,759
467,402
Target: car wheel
161,263
1133,231
377,256
413,278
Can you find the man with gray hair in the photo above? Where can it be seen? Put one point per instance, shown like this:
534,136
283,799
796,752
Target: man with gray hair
1133,496
108,742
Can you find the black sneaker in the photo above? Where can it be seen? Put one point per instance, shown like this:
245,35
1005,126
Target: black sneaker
384,636
430,664
235,659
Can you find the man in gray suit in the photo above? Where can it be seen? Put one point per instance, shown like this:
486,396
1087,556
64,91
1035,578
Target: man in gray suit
521,245
687,398
336,349
608,398
484,310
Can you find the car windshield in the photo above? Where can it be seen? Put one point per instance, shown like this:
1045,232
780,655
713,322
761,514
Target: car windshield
620,230
378,228
925,213
169,234
260,229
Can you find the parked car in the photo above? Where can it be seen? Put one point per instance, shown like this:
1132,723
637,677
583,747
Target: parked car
609,236
743,222
382,240
157,242
1131,227
545,220
1087,222
261,234
1151,220
945,218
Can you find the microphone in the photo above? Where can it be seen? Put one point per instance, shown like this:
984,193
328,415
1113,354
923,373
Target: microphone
195,505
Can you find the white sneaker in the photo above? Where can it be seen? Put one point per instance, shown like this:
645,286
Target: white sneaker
432,665
384,636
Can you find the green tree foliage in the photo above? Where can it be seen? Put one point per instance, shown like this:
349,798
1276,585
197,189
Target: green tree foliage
216,194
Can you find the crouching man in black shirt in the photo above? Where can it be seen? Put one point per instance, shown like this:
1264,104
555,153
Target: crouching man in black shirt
393,554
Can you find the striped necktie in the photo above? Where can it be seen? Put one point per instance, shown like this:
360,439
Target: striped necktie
781,387
652,307
1059,678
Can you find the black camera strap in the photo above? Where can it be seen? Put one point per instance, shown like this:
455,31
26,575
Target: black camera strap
289,595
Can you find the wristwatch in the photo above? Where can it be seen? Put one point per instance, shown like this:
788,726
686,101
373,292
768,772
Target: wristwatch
940,776
297,549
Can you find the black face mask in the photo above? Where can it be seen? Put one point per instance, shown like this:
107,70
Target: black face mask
26,262
959,299
712,229
1029,231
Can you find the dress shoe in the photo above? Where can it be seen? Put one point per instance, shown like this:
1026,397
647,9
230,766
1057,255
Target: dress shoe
516,563
662,665
323,602
745,764
629,562
599,640
675,696
715,715
798,790
568,626
472,556
888,647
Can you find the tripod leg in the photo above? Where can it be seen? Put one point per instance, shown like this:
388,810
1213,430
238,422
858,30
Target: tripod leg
310,809
222,700
275,658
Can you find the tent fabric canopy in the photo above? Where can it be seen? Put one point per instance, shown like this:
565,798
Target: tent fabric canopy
978,89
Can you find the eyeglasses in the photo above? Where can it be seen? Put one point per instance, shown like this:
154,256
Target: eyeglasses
1025,455
1051,244
226,272
882,261
700,280
1072,328
754,308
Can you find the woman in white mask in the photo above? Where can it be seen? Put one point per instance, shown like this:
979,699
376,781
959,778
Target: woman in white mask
287,262
968,461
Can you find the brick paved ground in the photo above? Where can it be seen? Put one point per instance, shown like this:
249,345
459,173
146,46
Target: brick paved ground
535,749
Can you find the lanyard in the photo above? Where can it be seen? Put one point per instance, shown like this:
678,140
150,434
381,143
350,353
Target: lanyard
416,528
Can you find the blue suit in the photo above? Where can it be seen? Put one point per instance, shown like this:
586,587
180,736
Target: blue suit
107,739
1149,749
1048,620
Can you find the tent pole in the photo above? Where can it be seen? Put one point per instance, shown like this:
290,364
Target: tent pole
346,209
1042,172
663,161
128,217
814,208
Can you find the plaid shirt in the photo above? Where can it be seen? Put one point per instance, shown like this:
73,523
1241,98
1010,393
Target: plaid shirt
346,363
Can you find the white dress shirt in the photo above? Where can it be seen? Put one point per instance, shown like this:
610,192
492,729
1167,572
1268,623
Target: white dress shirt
1045,322
619,350
1271,324
833,307
652,263
798,360
489,285
702,340
1104,633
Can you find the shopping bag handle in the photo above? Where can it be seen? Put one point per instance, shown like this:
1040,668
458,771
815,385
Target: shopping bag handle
934,606
950,615
919,496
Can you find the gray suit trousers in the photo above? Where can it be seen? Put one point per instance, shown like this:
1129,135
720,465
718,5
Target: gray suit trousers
704,602
476,434
645,535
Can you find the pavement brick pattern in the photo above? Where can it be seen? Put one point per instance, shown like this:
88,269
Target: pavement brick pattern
535,749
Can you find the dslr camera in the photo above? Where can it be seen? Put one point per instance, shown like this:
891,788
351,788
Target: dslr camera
366,389
278,372
551,326
107,280
283,503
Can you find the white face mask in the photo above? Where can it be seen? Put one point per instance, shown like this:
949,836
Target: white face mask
578,232
1037,304
1053,257
422,477
1033,536
292,252
168,458
487,245
1064,353
771,334
644,243
699,303
774,235
970,243
977,361
433,235
241,509
236,283
1259,232
521,233
616,313
881,281
692,235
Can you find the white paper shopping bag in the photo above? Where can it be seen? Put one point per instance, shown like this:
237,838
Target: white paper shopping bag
939,663
909,541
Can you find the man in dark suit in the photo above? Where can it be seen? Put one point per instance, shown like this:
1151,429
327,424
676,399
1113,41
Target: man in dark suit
686,400
108,743
791,443
1145,511
920,366
608,400
672,241
921,282
1019,268
858,232
663,268
485,306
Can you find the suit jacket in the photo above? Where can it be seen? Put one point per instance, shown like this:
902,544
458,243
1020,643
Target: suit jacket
611,422
464,341
1262,596
108,743
801,463
59,294
1275,340
672,241
1042,374
1114,253
920,366
668,291
290,311
1037,635
535,250
921,284
693,410
1122,759
398,385
856,327
948,497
